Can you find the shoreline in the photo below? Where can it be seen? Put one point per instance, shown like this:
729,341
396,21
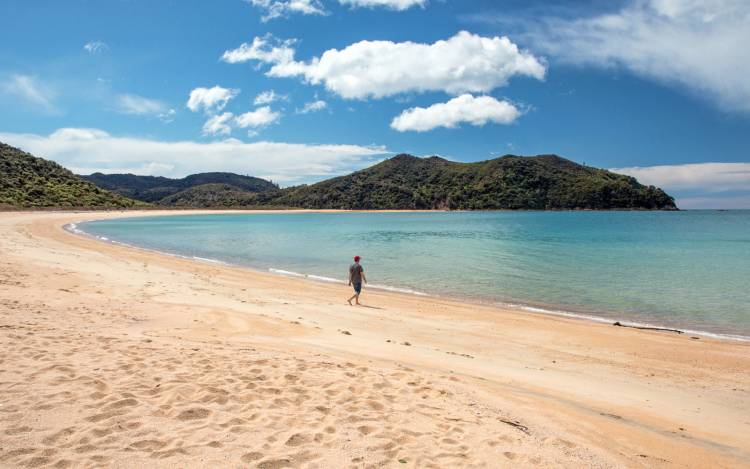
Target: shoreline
120,357
520,306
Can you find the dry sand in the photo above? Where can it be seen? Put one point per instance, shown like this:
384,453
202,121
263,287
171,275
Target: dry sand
117,357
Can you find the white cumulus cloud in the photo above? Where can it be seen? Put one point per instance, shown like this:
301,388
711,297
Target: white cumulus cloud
282,8
699,44
313,106
268,97
258,118
399,5
220,124
466,108
266,49
463,63
85,151
210,100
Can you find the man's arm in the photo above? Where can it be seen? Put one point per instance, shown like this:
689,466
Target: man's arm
350,277
364,279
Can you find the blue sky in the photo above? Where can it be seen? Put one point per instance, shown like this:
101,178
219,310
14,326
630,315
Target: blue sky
653,88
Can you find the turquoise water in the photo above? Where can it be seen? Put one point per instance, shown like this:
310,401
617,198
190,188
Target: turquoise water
686,269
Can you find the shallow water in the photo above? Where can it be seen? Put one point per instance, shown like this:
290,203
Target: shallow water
688,269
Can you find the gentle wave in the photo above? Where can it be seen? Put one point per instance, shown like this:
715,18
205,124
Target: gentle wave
73,227
206,259
399,290
324,279
604,320
321,278
285,272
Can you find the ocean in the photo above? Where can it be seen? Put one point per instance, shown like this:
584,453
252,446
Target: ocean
688,270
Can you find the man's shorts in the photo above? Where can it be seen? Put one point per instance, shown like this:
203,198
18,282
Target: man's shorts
357,287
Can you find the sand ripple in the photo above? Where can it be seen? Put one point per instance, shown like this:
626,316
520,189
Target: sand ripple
74,397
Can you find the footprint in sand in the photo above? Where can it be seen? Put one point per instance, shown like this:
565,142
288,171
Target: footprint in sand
37,461
298,439
275,464
52,439
375,405
366,430
250,457
122,403
17,430
149,445
194,414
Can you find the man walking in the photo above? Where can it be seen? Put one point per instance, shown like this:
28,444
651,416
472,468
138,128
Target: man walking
356,277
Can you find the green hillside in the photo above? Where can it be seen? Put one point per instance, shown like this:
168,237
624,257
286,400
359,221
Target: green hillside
164,191
545,182
28,182
219,196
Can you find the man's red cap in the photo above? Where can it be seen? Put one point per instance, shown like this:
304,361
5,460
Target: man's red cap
356,258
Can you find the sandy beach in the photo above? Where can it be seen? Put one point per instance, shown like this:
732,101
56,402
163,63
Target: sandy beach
119,357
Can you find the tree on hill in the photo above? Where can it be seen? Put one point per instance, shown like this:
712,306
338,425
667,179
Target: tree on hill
160,190
546,182
27,181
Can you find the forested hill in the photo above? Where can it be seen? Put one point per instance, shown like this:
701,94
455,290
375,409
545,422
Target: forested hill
546,182
29,182
162,190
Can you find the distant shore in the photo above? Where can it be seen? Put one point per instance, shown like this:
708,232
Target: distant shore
126,357
264,209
